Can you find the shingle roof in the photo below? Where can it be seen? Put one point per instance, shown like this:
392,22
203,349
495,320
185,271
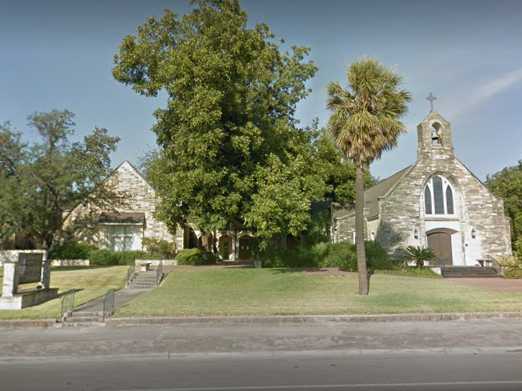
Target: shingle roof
371,196
122,218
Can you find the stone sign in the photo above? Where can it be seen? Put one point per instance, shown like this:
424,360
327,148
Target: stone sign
23,267
29,267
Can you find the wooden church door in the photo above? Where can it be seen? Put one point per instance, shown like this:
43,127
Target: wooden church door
440,243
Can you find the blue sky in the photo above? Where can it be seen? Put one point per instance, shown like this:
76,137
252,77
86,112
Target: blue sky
58,54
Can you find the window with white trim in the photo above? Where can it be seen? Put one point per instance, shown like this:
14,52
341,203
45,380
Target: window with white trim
124,237
439,197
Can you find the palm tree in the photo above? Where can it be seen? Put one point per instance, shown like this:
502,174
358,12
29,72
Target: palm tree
365,122
419,255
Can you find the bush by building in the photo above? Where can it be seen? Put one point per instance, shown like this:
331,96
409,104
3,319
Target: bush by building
342,255
196,256
72,250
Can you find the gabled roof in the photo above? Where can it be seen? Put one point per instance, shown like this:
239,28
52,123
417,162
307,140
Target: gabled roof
133,168
113,172
372,195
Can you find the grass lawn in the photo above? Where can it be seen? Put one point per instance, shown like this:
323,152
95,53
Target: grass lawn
237,291
92,282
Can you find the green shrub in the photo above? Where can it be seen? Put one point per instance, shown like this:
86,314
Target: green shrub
196,256
296,257
511,266
111,258
158,248
378,258
342,255
72,250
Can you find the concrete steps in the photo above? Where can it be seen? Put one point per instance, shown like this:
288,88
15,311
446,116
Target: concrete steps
468,272
143,280
84,319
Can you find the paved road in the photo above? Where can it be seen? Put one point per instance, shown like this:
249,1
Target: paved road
228,336
316,355
276,371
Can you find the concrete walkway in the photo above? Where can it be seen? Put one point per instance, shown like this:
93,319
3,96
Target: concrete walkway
121,297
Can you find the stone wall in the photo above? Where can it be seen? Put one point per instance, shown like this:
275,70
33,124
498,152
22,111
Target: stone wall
140,197
478,209
481,229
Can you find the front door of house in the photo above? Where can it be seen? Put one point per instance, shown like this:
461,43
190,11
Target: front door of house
246,248
440,243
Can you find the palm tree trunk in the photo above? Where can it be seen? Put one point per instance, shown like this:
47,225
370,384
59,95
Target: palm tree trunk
359,232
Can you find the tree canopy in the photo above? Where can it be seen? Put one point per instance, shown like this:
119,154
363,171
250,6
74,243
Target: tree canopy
365,116
44,180
232,93
507,184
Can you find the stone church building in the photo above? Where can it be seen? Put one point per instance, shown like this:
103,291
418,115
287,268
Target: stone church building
436,202
124,227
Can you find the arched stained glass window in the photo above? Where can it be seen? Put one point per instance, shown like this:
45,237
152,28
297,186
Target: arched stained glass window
449,200
438,195
427,200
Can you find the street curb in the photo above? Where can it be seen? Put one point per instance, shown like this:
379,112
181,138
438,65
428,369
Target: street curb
26,323
275,319
299,319
249,355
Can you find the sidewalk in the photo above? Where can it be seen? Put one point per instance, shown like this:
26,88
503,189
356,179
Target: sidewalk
220,337
121,297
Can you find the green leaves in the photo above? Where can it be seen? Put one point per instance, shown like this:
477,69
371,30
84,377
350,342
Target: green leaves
419,255
365,117
507,184
43,181
231,101
286,192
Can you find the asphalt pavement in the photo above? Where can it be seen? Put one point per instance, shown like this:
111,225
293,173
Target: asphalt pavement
276,371
316,355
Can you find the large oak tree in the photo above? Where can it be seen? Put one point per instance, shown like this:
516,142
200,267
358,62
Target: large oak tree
229,121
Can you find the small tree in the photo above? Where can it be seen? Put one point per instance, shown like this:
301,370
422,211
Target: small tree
419,255
365,122
42,182
507,184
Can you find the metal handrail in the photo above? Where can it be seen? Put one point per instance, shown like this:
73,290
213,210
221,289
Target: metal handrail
108,304
159,273
130,274
67,305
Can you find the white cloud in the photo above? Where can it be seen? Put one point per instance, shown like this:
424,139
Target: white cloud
486,91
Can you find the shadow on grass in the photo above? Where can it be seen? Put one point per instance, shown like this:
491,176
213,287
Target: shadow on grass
72,268
69,291
313,270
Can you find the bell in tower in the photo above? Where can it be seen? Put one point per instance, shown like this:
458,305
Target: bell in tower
434,136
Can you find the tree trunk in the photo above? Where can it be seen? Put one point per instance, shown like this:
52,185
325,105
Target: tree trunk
359,232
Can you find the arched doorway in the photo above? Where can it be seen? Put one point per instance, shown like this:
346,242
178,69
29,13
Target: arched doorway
246,248
439,240
190,239
225,247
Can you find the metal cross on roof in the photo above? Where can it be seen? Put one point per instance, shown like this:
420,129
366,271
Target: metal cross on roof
431,98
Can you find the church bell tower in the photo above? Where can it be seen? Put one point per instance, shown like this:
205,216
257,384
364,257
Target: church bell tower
434,136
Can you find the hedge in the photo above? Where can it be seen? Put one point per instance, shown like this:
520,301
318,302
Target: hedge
72,250
342,255
195,256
